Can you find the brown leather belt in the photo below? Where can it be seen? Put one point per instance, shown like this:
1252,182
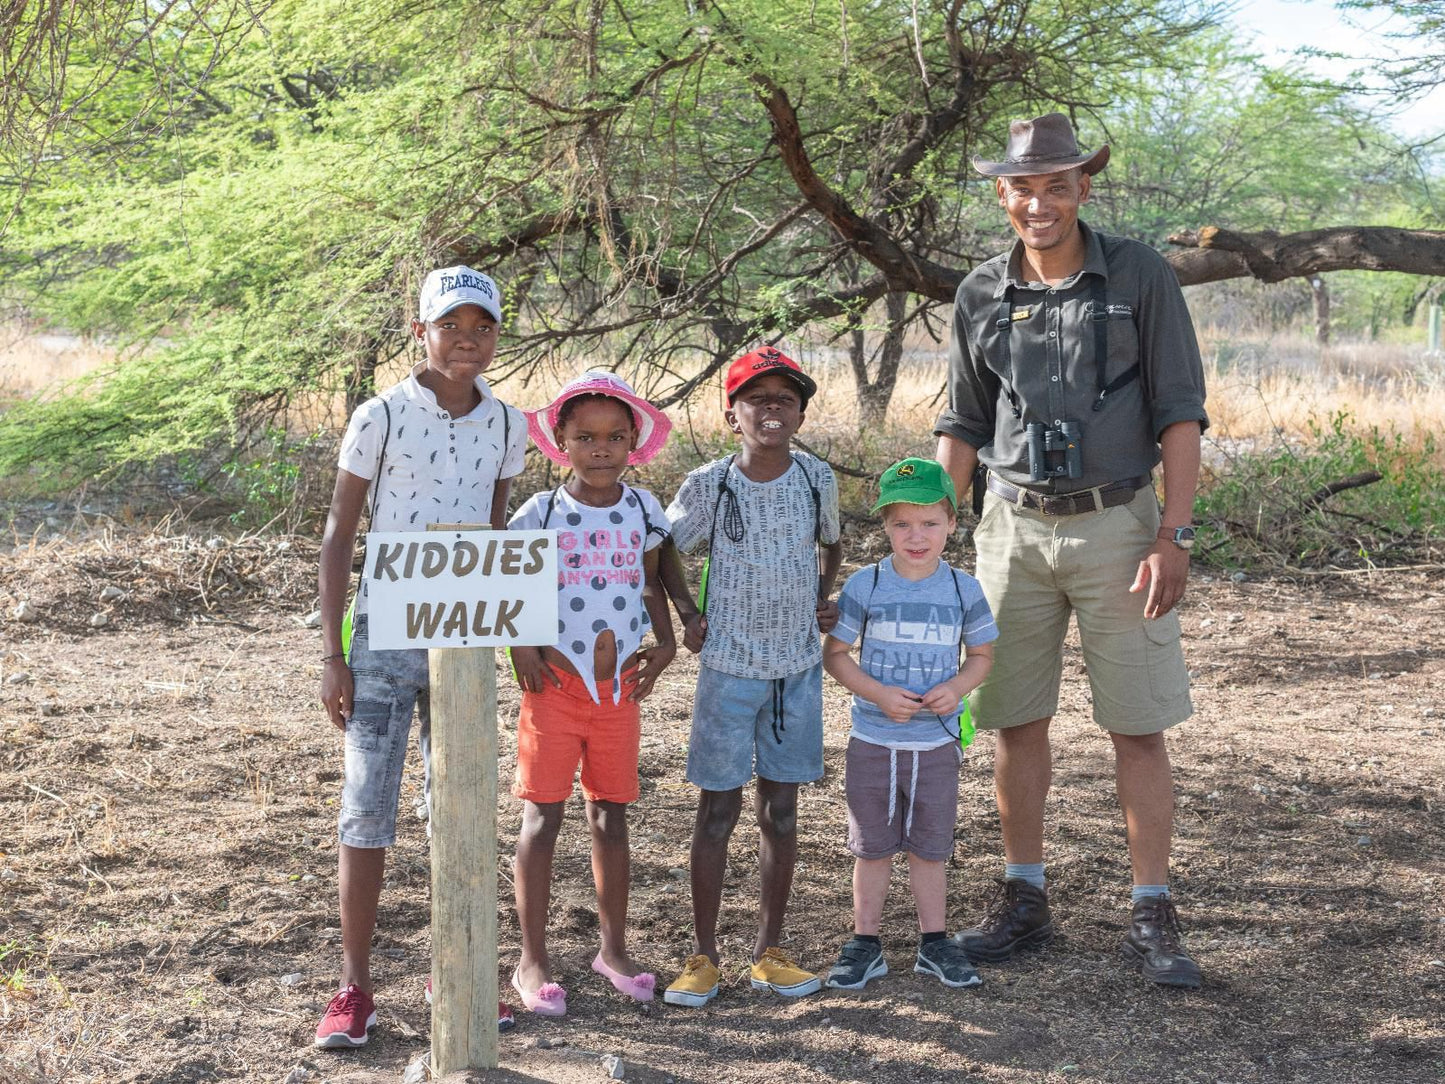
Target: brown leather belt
1068,504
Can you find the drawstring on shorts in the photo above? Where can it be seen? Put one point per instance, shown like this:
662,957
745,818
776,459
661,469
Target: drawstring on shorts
893,789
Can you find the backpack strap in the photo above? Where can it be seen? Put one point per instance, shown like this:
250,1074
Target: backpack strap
1005,323
1099,313
551,503
506,437
380,462
863,625
958,593
641,507
817,499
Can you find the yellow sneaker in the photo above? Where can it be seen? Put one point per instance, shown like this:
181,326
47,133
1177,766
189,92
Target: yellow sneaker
696,986
777,972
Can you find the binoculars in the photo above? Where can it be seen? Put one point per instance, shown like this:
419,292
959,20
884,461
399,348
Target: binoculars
1054,453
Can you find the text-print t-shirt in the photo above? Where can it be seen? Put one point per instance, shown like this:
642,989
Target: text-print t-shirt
762,589
599,570
911,642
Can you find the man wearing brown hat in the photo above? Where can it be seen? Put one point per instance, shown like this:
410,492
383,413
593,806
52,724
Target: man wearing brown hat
1073,371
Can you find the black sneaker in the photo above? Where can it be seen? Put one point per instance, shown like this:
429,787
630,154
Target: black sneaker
1154,944
1017,917
858,962
947,962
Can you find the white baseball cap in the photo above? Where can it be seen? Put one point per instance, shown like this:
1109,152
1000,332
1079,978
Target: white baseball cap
448,287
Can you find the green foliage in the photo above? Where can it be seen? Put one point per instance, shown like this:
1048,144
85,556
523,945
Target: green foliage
1271,505
248,196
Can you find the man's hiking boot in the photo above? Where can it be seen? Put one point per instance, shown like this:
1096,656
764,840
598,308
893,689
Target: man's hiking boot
1154,944
858,963
1017,917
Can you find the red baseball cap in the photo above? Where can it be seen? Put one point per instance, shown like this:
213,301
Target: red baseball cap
766,360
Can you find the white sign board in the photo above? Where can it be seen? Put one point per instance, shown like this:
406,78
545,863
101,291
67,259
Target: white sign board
461,588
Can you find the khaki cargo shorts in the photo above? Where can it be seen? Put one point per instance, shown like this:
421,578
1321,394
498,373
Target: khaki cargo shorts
1035,571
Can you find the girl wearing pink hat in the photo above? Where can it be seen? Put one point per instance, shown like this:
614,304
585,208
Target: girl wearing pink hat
580,696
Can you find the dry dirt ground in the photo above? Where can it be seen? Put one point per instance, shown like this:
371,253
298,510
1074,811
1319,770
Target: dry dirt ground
167,882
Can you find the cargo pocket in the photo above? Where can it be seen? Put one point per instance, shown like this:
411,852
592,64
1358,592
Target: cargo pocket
1168,675
373,702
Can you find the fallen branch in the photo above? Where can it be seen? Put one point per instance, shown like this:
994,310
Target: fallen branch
1354,481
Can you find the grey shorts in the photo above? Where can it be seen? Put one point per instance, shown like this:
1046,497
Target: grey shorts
901,800
776,721
388,686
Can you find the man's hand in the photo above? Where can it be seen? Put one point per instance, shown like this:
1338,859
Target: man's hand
900,705
532,671
651,661
1164,571
827,611
694,632
942,699
337,688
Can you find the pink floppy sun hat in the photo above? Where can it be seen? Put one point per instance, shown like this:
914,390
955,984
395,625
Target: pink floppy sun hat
653,425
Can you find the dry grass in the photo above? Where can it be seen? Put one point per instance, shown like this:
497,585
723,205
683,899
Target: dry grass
1260,387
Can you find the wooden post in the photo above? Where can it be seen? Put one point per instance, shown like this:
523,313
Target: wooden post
464,854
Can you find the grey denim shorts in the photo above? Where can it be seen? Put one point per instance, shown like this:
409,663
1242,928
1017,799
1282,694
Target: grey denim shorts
389,686
778,721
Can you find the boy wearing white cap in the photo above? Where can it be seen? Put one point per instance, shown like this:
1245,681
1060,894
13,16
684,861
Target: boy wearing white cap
437,447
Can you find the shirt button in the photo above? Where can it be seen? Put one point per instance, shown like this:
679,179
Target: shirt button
1054,379
1053,334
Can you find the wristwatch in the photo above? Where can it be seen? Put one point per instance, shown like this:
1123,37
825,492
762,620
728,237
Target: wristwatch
1183,537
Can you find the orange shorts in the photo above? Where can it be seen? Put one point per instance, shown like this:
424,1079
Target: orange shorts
559,727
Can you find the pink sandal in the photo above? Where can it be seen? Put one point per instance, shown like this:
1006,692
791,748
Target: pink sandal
637,987
549,999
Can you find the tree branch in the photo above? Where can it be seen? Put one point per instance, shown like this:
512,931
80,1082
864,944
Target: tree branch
1212,254
903,269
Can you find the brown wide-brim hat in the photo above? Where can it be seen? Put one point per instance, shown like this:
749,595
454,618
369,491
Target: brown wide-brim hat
1043,145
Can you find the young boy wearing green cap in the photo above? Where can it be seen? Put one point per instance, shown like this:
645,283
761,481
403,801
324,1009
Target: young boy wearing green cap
924,634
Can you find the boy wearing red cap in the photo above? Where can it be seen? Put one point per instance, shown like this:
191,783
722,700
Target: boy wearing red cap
765,514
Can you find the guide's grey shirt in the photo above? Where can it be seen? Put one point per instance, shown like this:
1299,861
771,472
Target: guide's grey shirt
1053,373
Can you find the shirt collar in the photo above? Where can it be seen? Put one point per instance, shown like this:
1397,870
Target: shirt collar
1094,264
414,390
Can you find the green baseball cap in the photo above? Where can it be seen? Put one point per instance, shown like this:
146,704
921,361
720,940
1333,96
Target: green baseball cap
916,481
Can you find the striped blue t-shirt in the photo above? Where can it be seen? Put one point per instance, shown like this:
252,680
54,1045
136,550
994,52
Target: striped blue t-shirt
911,641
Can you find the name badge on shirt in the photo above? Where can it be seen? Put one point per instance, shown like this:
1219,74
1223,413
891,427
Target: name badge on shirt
1021,314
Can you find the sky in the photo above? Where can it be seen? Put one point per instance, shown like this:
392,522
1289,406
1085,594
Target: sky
1278,28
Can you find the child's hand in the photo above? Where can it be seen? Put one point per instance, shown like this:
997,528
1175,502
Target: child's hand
651,661
942,699
532,670
827,611
694,632
900,705
337,688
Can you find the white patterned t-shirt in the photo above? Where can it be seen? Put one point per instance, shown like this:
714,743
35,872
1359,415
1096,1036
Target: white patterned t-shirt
600,572
762,590
438,468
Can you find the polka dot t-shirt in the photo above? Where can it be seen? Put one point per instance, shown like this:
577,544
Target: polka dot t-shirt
599,574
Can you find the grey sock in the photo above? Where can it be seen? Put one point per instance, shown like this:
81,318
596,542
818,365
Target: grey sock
1028,872
1139,892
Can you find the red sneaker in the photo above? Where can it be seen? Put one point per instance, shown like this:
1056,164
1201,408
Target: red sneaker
505,1020
348,1016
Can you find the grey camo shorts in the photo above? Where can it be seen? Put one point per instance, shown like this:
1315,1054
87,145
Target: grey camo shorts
390,686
